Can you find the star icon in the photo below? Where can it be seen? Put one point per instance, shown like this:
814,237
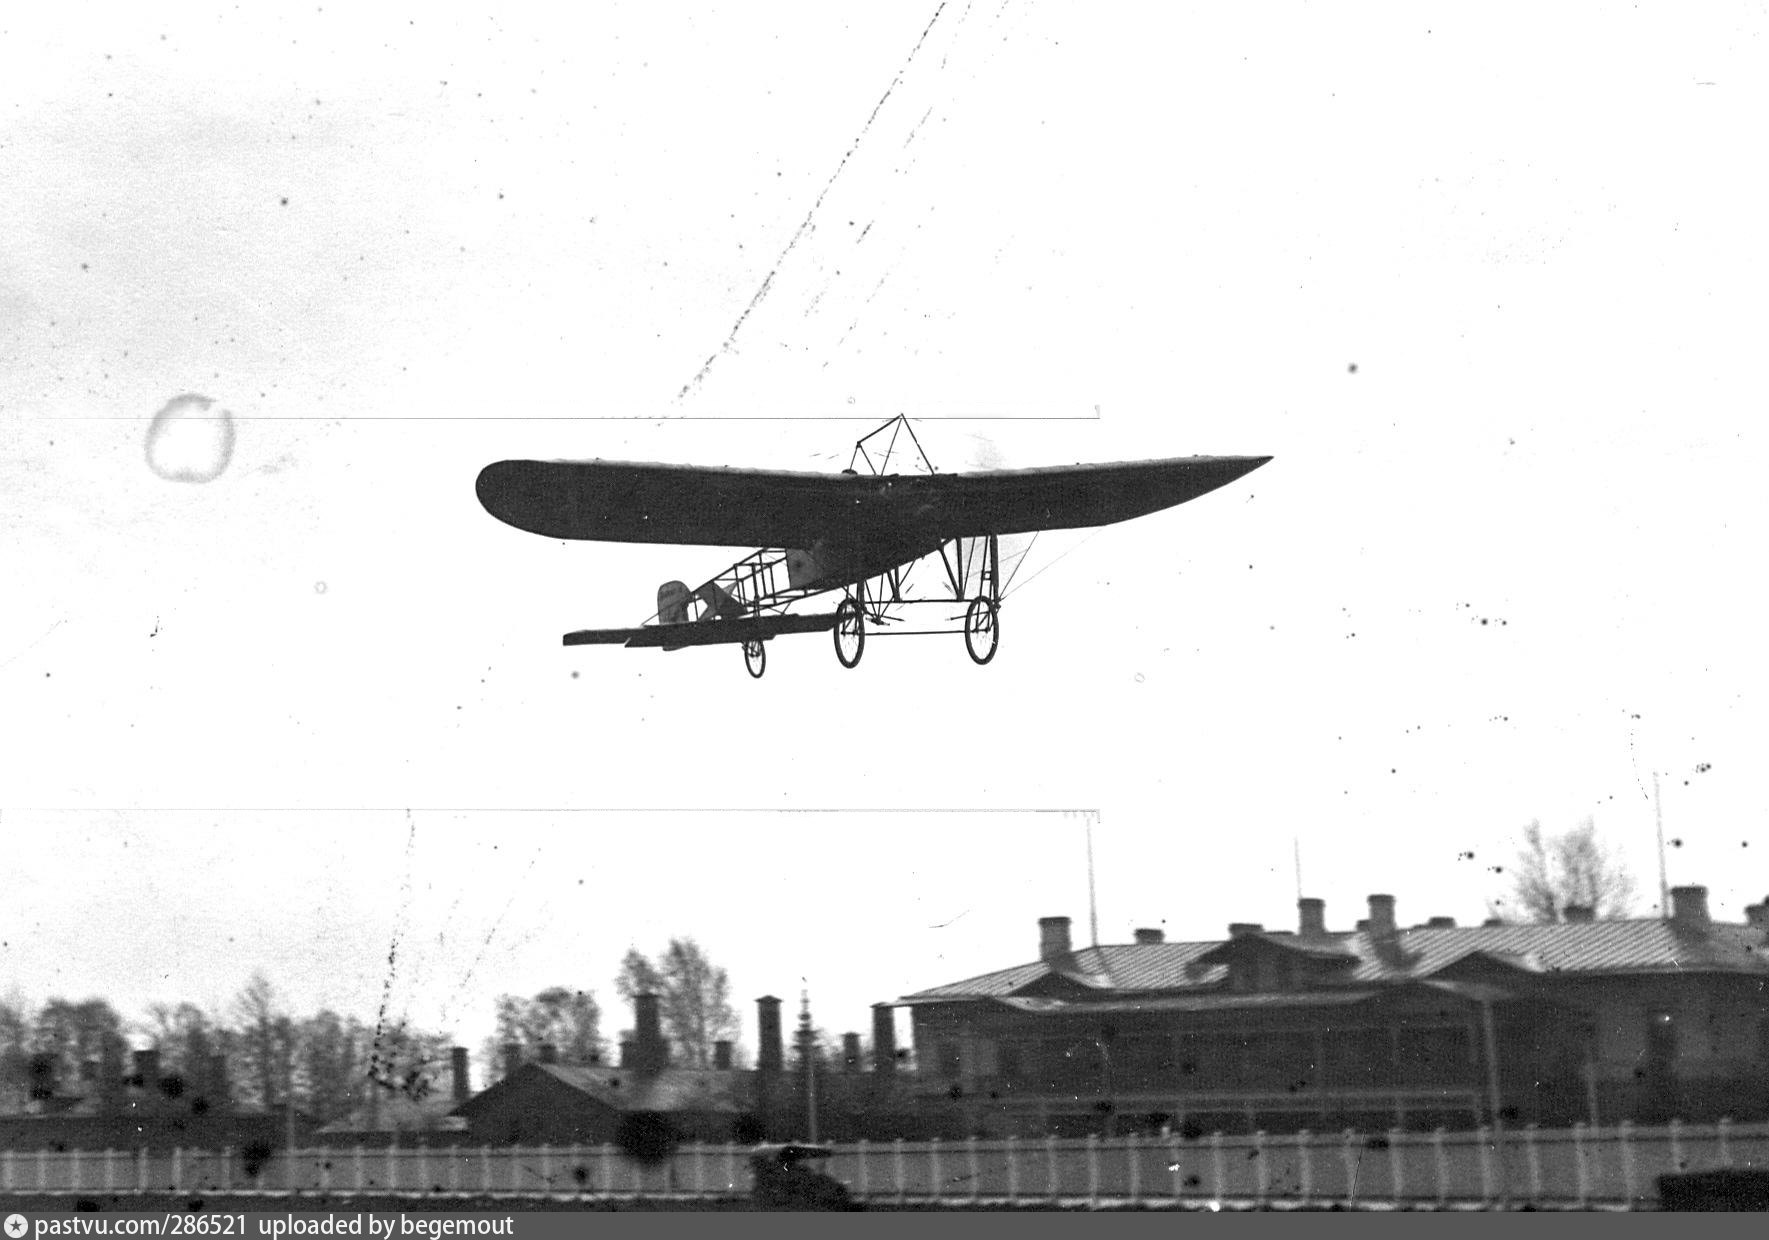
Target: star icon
16,1226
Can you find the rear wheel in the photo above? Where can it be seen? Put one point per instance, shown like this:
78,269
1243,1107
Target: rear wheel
755,657
850,633
982,630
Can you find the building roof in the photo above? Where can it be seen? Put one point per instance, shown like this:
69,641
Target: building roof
1593,948
673,1090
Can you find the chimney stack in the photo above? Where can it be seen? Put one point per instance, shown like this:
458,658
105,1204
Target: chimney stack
850,1052
770,1049
722,1055
1578,913
1149,936
147,1067
549,1053
1311,918
629,1054
1440,923
1689,907
884,1038
457,1060
512,1059
1382,916
652,1051
1053,939
1238,928
1758,914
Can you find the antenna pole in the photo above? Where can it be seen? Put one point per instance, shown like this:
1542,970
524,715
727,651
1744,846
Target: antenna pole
1664,886
1092,901
1296,847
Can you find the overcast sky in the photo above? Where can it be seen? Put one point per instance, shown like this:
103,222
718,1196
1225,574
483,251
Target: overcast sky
1488,286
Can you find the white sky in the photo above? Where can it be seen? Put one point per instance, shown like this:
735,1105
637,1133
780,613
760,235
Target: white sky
1536,234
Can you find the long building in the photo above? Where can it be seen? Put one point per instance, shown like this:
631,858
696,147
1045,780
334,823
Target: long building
1375,1027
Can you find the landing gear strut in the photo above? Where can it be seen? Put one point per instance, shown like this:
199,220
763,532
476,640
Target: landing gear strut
755,657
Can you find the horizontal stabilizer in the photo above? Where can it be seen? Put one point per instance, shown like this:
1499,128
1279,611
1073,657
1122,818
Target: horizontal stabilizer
703,632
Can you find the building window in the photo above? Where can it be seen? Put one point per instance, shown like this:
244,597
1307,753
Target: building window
1661,1041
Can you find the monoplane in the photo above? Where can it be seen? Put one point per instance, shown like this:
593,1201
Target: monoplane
855,532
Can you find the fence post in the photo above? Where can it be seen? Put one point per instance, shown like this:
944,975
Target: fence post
1218,1167
1578,1157
1050,1164
1174,1171
226,1169
1261,1169
485,1168
74,1168
901,1168
392,1172
1133,1152
1396,1169
1440,1157
1724,1133
1092,1169
177,1168
936,1173
731,1166
325,1175
1484,1138
547,1165
43,1168
6,1170
110,1168
1677,1163
976,1170
1624,1132
357,1159
860,1167
1013,1168
1348,1156
1535,1164
1304,1165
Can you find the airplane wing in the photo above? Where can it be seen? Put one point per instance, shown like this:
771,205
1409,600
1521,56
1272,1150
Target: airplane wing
703,633
618,501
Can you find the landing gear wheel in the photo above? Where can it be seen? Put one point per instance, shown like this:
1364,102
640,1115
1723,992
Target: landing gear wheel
982,630
850,633
755,658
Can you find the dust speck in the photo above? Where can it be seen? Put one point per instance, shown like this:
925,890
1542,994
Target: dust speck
190,440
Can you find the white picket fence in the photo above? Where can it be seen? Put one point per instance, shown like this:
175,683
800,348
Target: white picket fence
1615,1166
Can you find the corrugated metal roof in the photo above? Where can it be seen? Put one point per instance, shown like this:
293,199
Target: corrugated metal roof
673,1089
1598,947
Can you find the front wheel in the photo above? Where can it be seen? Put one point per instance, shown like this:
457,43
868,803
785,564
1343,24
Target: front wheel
982,630
850,633
755,657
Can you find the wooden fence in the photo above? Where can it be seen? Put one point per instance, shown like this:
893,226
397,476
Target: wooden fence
1613,1167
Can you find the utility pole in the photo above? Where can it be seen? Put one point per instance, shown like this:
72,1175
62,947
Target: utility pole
1664,886
1092,902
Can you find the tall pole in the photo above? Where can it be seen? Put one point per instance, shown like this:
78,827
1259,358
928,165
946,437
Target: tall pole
1092,902
1664,886
807,1052
1296,848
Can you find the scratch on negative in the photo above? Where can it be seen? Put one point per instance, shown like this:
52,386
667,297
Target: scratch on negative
805,224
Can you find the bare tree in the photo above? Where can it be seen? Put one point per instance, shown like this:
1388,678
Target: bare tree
334,1059
266,1040
1573,868
567,1020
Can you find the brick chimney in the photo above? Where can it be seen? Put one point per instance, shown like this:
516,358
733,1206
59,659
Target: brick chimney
850,1052
653,1053
1149,936
1382,916
457,1062
770,1048
147,1067
1236,929
1311,918
1440,923
884,1038
722,1055
512,1059
1689,908
1053,939
1578,913
548,1053
1758,914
